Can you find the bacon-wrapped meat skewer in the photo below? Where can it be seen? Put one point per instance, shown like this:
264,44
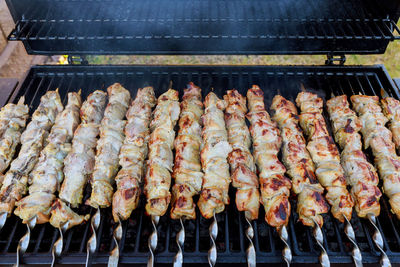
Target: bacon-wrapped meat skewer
379,138
108,146
214,154
79,162
391,109
78,166
300,167
160,162
361,175
187,167
242,165
106,160
32,140
240,159
326,157
274,186
12,122
133,154
46,177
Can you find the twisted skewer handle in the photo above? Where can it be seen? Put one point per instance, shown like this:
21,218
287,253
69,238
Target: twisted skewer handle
180,240
59,244
153,240
378,240
212,252
319,238
250,251
356,253
92,242
114,255
3,219
24,241
286,252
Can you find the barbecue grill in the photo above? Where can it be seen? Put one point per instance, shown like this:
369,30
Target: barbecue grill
84,27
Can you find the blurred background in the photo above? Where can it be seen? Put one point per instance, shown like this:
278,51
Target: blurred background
14,61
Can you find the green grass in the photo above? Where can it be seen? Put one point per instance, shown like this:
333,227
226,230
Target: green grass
390,59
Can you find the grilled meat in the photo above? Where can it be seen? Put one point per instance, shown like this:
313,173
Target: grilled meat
240,159
79,163
160,162
325,155
187,168
379,138
213,156
274,186
133,154
108,147
47,175
361,175
300,167
32,140
12,122
391,109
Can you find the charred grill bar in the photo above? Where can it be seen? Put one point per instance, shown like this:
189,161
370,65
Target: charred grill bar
231,246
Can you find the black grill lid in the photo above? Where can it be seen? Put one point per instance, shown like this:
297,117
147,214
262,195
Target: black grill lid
205,26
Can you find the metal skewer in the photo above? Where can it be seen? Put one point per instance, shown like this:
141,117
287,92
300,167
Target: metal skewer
286,252
117,235
378,240
180,240
153,240
3,219
92,242
319,237
59,244
250,251
212,252
24,241
356,253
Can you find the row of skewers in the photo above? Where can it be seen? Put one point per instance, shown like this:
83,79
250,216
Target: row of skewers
62,149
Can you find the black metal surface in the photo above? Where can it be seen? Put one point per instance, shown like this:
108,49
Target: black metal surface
231,241
204,26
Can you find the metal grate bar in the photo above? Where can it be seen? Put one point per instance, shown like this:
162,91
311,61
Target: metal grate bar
202,27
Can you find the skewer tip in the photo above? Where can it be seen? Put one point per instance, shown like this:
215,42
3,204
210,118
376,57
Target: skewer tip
319,238
286,252
212,252
59,244
117,235
356,253
3,219
153,240
378,240
24,241
250,251
180,240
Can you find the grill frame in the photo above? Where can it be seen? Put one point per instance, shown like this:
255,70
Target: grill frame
220,78
205,27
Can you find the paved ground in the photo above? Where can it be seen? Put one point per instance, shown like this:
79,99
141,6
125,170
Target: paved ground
14,61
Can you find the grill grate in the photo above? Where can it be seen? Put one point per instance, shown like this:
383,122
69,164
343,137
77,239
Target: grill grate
203,27
231,245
